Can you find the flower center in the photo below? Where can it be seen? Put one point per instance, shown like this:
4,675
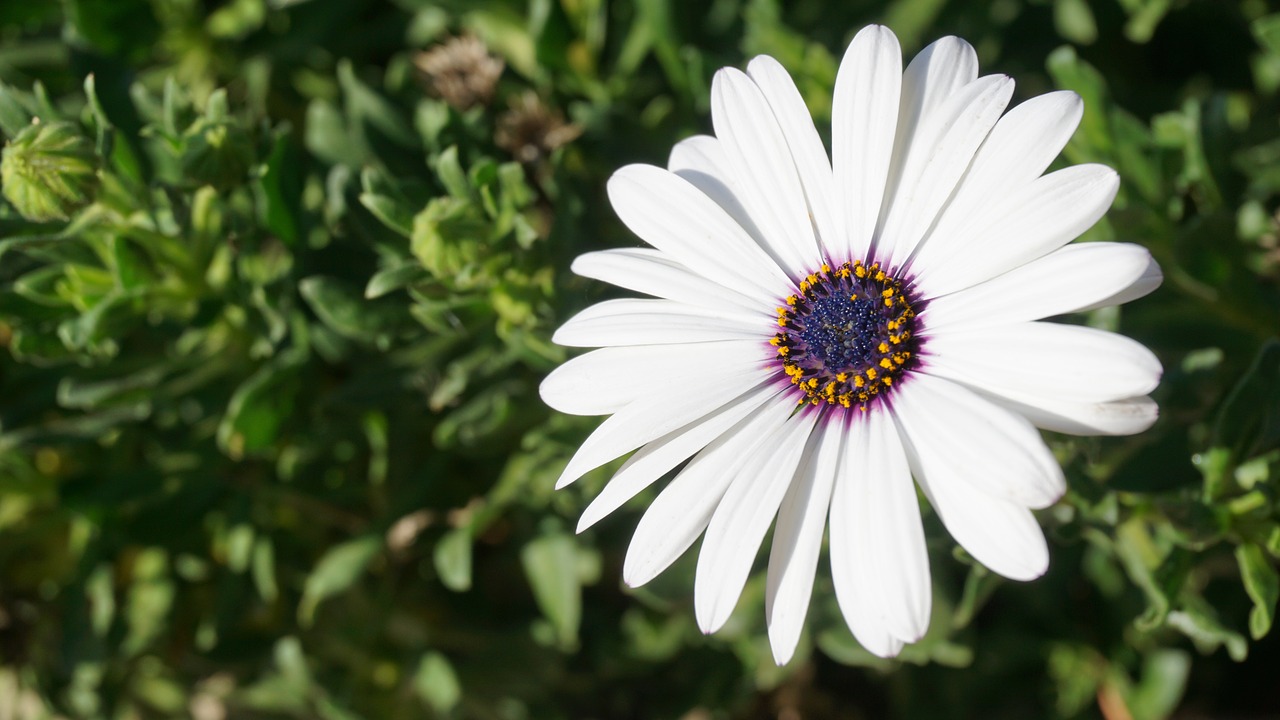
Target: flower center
846,337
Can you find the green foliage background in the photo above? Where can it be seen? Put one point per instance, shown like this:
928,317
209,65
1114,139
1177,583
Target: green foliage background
274,318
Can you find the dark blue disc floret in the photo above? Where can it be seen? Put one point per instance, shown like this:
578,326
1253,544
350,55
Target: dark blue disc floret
846,337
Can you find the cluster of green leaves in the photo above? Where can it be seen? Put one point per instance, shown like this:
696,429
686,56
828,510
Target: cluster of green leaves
275,314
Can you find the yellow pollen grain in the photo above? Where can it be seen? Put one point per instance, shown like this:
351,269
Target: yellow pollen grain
886,364
871,373
842,377
883,347
858,381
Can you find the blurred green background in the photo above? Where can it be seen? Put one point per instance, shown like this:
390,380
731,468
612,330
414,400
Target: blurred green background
277,282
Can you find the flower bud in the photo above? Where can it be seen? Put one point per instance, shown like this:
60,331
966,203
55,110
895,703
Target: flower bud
218,150
48,171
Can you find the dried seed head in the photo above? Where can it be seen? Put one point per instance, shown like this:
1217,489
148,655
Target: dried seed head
530,130
460,71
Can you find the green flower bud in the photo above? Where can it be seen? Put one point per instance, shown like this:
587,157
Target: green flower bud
49,171
217,153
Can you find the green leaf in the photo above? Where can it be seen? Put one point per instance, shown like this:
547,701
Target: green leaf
81,393
1262,583
1093,141
263,569
337,571
280,188
260,406
452,557
368,110
14,115
343,308
1161,685
551,566
1198,623
437,684
381,197
449,170
394,278
1249,422
1074,21
1144,18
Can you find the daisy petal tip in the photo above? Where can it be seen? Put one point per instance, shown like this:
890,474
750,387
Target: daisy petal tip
764,64
879,39
625,179
634,573
887,650
711,611
566,479
1047,498
585,522
1031,566
784,634
782,650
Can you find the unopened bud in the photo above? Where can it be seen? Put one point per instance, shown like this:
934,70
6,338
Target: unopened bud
218,152
48,171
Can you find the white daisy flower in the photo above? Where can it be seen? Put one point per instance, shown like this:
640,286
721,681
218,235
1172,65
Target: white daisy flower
826,328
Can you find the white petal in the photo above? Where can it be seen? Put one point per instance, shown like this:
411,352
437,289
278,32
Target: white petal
888,536
812,162
966,441
1150,279
936,159
743,517
634,321
669,213
651,417
1129,416
1001,535
700,160
935,74
864,116
764,172
1046,359
653,273
1074,277
797,539
602,381
1019,148
682,510
852,575
1041,217
931,79
658,457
